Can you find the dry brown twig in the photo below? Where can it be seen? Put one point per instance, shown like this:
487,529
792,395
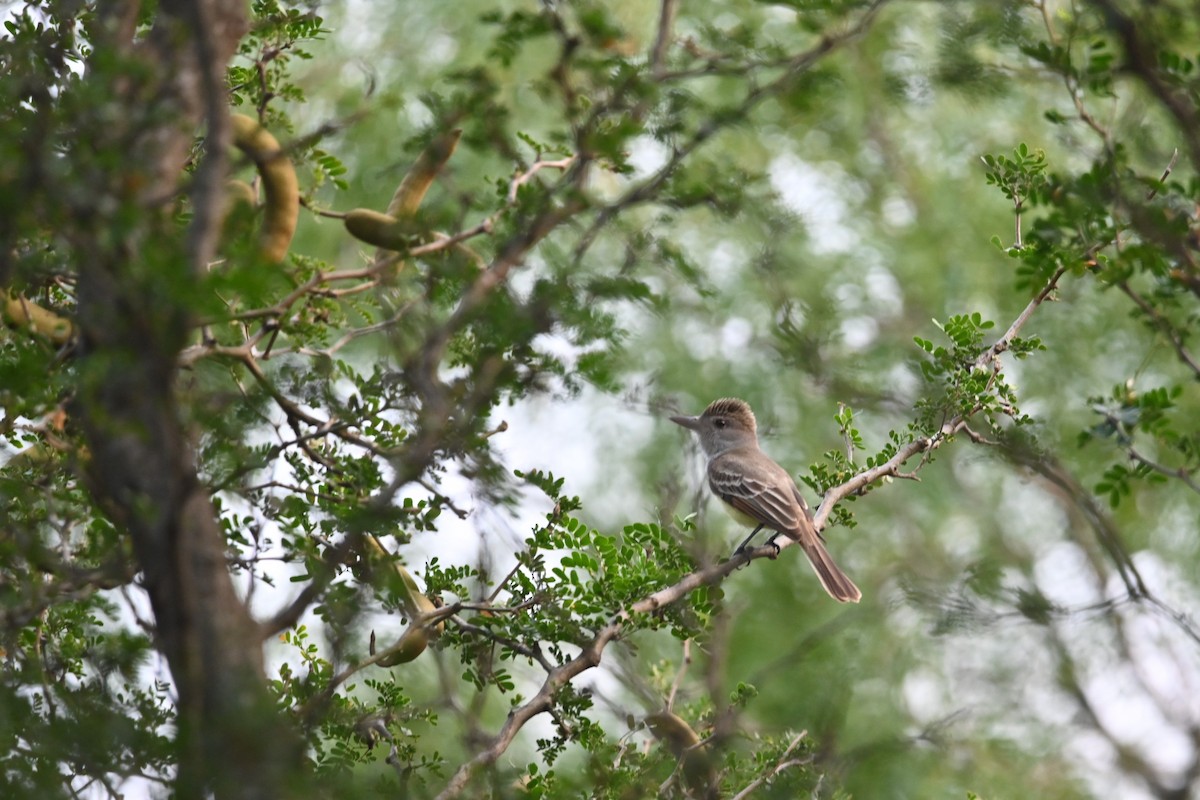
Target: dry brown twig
684,663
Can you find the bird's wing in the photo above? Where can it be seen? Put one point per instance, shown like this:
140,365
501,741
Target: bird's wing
764,496
800,499
806,511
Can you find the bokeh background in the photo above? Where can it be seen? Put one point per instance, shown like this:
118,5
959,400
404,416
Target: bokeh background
862,216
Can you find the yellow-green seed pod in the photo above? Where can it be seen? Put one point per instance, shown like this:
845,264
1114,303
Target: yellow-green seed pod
699,775
418,603
416,183
22,313
415,603
672,730
375,228
412,644
240,193
280,187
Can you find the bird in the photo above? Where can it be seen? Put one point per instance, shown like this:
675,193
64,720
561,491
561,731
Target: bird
755,490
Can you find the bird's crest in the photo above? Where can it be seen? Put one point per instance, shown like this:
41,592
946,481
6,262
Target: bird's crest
734,408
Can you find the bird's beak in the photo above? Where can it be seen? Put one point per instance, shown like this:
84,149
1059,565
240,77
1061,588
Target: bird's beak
691,423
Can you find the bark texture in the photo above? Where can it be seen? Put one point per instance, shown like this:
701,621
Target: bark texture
135,274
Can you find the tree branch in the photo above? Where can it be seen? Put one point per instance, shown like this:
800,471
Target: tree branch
1142,60
593,650
950,427
418,623
794,67
1168,329
662,40
783,763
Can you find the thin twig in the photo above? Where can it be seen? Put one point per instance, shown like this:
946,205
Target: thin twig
950,427
588,658
517,647
418,623
658,53
1166,173
683,668
1179,473
783,763
1174,336
492,609
534,169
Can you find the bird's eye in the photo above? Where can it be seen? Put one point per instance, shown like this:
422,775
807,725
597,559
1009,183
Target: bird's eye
720,423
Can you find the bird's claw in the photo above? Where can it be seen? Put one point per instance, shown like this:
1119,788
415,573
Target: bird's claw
742,551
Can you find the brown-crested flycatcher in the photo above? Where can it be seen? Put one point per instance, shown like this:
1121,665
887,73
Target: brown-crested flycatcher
757,491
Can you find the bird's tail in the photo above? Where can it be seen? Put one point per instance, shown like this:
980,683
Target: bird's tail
839,586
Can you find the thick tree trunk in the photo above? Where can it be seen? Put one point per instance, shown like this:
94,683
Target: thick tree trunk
135,278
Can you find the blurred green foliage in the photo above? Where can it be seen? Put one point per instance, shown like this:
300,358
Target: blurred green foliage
767,200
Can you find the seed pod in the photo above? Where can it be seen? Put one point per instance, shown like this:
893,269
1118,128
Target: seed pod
240,193
417,603
415,640
19,312
673,730
699,775
388,231
240,203
280,187
412,644
416,183
375,228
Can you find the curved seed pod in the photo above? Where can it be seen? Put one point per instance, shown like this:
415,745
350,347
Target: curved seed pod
420,604
673,730
241,201
411,645
240,193
19,312
416,183
280,186
415,603
699,775
375,228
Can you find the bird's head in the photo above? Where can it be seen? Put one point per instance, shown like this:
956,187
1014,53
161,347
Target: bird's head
726,423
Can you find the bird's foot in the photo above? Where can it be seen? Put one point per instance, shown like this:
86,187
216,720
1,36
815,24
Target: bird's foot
771,543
